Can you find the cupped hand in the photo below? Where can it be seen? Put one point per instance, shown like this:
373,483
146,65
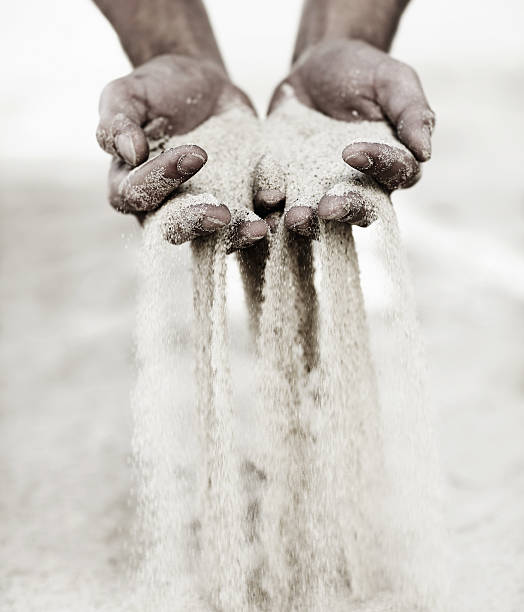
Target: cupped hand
303,173
170,94
223,187
352,81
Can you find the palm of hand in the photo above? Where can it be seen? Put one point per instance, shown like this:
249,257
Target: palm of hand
353,81
339,81
168,95
225,184
304,149
173,97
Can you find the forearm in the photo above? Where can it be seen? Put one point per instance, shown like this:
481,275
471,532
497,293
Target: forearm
148,28
373,21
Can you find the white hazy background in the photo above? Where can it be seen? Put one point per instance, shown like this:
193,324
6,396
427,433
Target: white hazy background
57,56
67,288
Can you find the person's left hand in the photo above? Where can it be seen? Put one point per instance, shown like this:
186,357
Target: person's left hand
352,81
302,165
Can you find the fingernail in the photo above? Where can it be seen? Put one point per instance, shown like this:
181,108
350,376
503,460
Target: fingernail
333,207
211,224
268,199
255,230
298,216
349,208
190,163
126,148
215,218
359,160
250,232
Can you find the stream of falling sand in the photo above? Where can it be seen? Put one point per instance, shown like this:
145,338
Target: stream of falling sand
286,347
166,444
191,502
367,534
348,512
339,507
222,539
416,514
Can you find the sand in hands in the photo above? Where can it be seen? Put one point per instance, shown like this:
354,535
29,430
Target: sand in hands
191,499
348,471
339,508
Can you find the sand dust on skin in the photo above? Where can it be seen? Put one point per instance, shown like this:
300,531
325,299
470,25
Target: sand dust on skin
67,312
364,522
194,530
316,515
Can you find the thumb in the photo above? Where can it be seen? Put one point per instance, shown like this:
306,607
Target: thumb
400,94
122,114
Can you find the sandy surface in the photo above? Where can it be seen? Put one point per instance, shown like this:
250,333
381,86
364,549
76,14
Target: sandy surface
67,310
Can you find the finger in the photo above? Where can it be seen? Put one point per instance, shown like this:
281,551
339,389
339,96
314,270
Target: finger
247,233
390,166
400,94
269,186
269,200
302,220
350,207
146,187
194,220
246,229
119,131
273,220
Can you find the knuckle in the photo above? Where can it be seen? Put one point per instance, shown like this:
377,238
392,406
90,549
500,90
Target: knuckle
120,123
101,136
417,112
390,70
105,140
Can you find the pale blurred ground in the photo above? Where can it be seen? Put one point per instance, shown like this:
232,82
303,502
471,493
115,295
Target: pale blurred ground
68,287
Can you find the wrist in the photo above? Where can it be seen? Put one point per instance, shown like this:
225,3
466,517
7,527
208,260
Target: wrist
141,49
371,21
175,61
149,28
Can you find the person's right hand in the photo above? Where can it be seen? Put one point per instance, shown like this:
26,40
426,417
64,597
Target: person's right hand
170,94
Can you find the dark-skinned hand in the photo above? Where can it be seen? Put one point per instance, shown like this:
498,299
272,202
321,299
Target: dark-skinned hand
352,81
170,94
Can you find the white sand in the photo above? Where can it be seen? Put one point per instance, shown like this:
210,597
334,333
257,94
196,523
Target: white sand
232,143
335,521
67,315
196,521
352,531
285,537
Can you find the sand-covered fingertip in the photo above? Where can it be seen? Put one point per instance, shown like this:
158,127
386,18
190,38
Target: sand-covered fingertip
347,203
391,166
246,228
302,220
269,174
188,216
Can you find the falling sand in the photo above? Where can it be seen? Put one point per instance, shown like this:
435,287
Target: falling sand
338,508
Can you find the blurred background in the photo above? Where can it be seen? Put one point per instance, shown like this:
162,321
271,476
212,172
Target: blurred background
67,292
